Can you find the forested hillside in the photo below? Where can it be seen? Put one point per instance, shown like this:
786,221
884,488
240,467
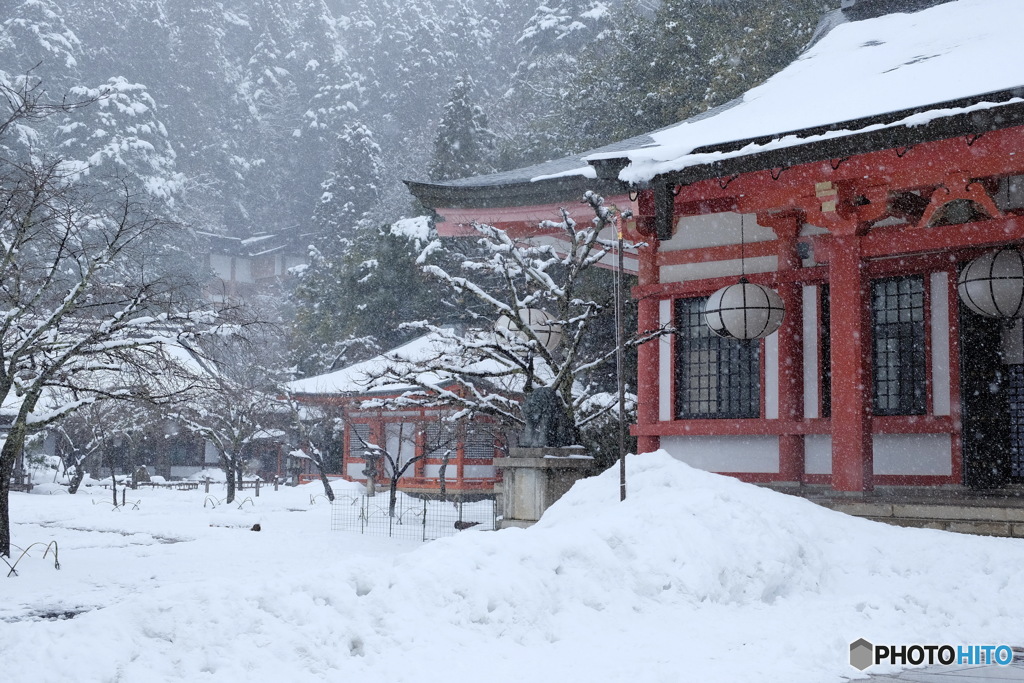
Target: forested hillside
255,110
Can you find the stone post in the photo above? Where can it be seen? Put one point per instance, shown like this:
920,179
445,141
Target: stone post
534,478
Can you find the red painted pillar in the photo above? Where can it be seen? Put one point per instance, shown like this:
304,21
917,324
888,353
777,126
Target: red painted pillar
791,349
850,332
460,462
648,354
648,375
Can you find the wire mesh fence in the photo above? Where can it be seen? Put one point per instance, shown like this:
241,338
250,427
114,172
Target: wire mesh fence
413,518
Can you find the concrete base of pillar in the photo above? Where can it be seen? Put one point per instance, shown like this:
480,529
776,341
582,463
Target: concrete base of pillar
534,478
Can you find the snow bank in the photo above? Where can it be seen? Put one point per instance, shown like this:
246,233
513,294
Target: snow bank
694,577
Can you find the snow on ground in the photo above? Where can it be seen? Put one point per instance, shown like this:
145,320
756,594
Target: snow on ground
694,577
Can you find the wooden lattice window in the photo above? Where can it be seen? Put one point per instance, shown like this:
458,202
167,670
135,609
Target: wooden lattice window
441,438
357,434
479,442
898,328
715,377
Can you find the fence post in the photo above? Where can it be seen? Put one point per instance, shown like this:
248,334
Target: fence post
257,488
206,485
424,539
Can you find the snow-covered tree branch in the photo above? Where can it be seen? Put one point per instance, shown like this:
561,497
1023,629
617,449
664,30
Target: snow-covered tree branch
489,366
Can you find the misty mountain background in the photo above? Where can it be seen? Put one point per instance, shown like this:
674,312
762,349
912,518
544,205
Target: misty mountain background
258,106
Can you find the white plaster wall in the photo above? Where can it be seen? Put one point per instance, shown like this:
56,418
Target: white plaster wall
712,269
940,343
755,454
818,454
716,230
221,266
812,368
243,270
184,471
400,440
905,454
470,471
665,378
210,454
478,471
917,454
771,376
355,470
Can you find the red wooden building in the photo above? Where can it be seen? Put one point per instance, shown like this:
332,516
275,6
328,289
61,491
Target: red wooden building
856,183
462,452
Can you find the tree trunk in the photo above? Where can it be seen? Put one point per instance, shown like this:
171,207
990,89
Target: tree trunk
113,480
5,511
371,477
76,480
229,469
441,474
328,491
8,456
394,497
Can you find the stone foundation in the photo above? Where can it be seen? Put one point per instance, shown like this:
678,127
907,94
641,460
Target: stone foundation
534,478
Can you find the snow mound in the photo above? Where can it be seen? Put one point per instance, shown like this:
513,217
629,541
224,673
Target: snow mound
694,577
724,564
213,474
49,489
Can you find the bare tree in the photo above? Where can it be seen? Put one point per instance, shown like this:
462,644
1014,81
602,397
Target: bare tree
93,429
389,459
234,400
90,284
316,427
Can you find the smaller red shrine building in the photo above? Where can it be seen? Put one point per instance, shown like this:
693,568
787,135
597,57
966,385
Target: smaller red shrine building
857,183
463,451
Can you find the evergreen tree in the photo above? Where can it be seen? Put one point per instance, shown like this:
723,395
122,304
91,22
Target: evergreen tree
464,145
683,59
120,137
34,34
207,113
351,190
39,52
353,298
548,51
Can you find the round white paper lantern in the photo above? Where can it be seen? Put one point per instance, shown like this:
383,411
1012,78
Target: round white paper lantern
744,311
547,332
993,284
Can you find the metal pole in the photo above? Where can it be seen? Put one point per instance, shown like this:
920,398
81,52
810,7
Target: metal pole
619,370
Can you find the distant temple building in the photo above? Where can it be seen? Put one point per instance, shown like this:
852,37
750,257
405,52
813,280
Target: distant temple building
456,457
244,267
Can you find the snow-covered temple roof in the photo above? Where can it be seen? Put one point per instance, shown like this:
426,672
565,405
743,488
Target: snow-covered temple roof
369,376
878,83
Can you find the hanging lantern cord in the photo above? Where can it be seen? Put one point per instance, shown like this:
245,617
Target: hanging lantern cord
743,249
